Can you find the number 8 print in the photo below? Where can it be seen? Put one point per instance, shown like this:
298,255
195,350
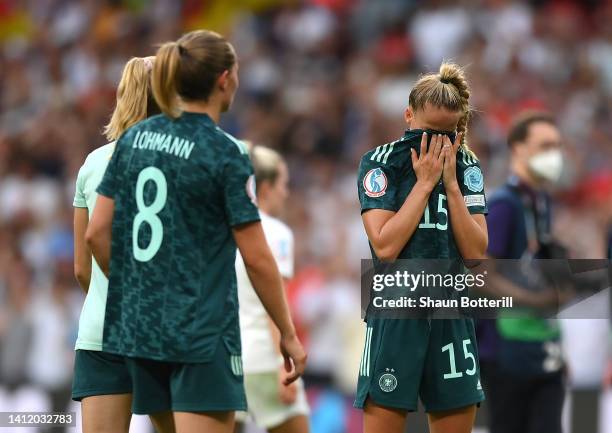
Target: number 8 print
148,214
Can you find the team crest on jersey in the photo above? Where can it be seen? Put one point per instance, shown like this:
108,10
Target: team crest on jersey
387,382
251,190
375,183
473,179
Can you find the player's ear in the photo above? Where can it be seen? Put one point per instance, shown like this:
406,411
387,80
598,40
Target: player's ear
223,80
408,115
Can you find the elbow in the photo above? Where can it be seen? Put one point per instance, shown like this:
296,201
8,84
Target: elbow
258,262
90,238
386,254
476,255
82,276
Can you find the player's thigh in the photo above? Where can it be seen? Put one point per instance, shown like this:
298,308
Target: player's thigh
107,413
451,378
266,407
452,421
296,424
163,422
209,422
380,419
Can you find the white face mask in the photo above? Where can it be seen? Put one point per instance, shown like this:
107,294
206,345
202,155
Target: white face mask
547,165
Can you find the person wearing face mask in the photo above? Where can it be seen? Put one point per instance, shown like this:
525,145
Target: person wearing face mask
521,361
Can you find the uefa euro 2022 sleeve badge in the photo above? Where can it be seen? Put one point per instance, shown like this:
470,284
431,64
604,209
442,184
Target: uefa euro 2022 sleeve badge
375,182
473,179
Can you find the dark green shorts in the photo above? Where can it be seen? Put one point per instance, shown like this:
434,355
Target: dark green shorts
180,387
99,373
406,359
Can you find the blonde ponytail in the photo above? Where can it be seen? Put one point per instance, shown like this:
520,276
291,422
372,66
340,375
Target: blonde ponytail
449,89
165,70
132,97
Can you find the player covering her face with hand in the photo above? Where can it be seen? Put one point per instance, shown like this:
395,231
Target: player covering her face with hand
422,197
176,200
101,380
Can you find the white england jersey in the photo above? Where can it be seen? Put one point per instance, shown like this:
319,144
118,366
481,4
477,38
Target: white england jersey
258,352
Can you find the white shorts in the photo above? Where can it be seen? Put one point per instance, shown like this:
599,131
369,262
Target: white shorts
265,407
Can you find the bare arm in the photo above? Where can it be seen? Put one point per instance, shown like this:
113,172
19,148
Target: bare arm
266,279
82,255
99,230
389,231
287,394
469,231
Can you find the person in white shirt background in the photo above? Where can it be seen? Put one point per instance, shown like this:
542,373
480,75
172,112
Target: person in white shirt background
272,406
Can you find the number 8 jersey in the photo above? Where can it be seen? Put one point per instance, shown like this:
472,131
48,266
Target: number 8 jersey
179,186
386,177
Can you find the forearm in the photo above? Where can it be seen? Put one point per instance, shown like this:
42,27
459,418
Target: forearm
267,283
397,231
470,237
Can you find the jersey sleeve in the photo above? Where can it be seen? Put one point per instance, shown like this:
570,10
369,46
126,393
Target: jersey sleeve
471,183
376,185
239,188
110,182
79,192
283,253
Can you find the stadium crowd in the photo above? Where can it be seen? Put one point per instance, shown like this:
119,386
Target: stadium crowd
321,80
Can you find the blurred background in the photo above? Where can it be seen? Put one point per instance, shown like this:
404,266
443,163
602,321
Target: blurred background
323,81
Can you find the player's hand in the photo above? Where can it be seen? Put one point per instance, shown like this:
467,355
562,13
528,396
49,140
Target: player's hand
428,165
287,393
294,357
449,151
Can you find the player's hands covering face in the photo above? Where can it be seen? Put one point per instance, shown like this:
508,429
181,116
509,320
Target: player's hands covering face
449,152
429,163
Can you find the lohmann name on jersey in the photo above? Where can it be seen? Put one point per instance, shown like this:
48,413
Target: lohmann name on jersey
177,146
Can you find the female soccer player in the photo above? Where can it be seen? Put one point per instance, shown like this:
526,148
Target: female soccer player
274,406
420,201
178,195
101,380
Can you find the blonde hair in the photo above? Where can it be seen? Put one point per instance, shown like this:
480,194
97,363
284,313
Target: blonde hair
266,163
133,97
448,89
189,68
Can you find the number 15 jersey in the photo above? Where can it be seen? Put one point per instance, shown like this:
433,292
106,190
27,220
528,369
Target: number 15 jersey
178,186
386,177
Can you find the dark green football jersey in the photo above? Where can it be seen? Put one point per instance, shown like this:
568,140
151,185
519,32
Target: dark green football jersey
179,186
386,177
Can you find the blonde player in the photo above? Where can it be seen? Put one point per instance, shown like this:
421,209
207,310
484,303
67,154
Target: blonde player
101,380
274,406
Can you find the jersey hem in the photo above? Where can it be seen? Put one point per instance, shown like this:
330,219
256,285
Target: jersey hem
88,346
251,219
161,358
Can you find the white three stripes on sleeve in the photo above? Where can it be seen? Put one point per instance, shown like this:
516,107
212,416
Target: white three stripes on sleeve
381,154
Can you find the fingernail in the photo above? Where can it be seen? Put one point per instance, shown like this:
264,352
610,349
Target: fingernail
424,134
